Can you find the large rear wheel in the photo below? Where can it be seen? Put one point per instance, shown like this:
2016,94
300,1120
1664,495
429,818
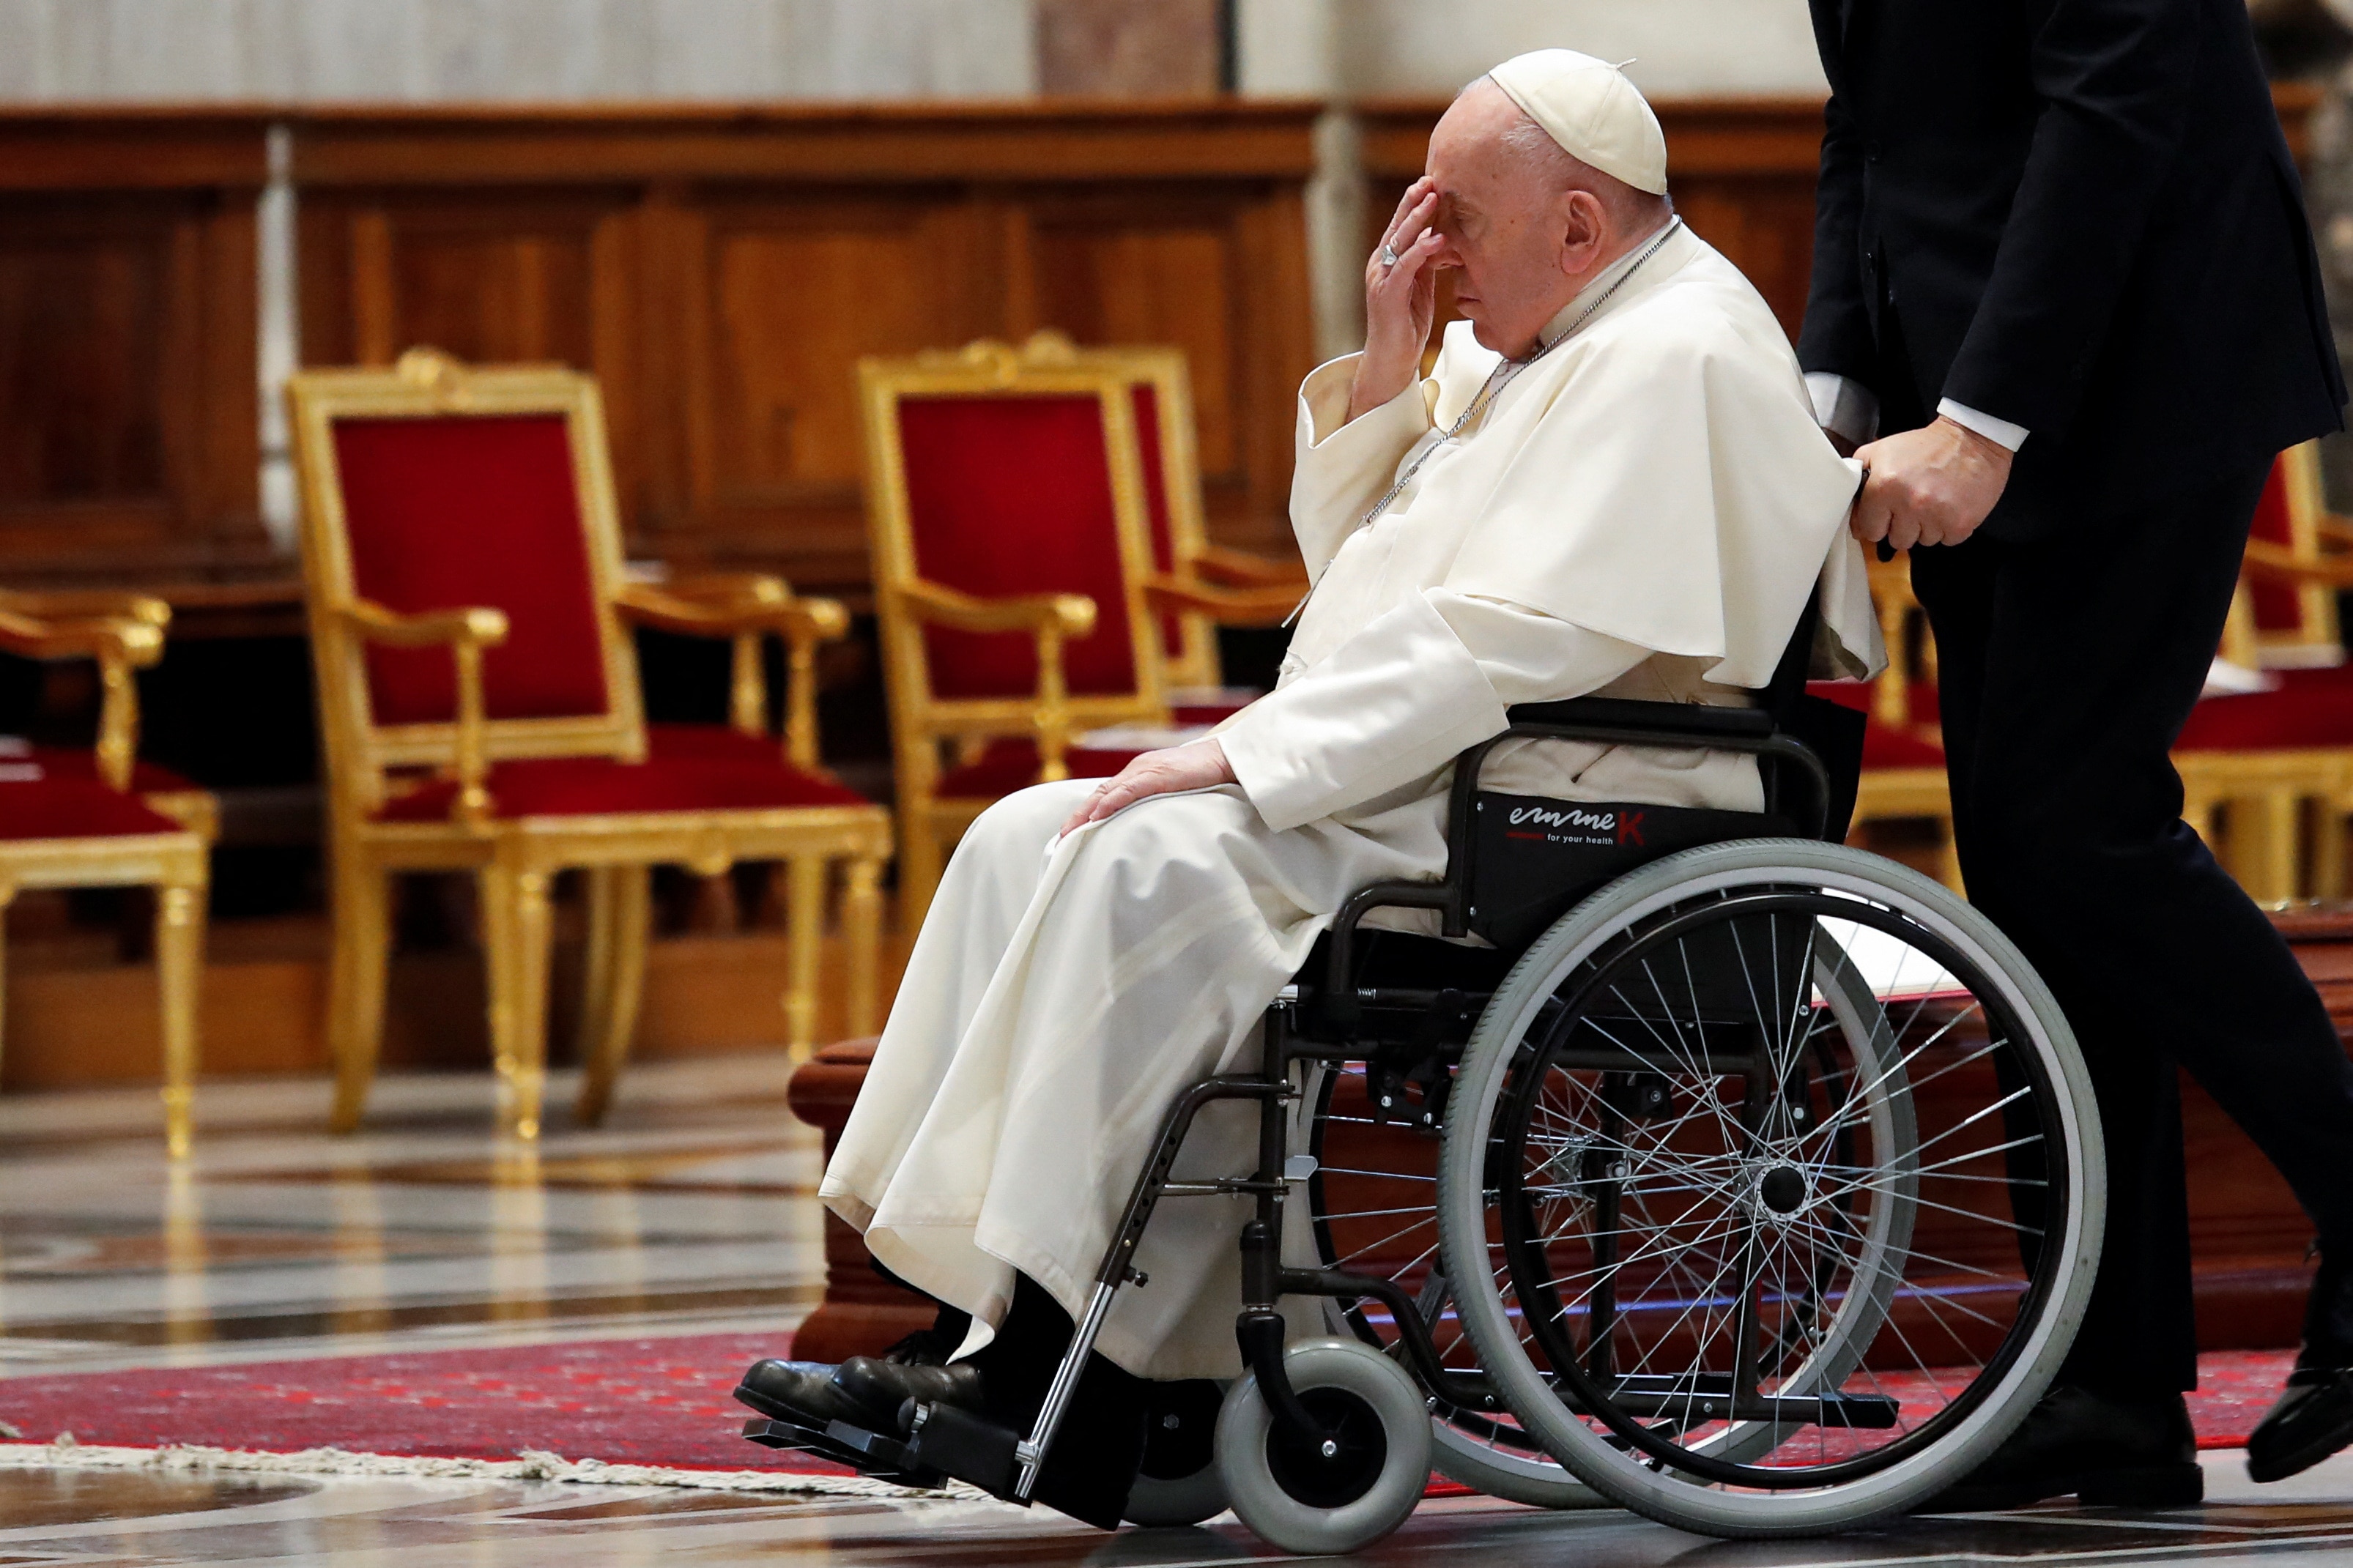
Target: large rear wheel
1771,1189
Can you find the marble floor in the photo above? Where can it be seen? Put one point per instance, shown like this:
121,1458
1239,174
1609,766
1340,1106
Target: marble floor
691,1213
690,1210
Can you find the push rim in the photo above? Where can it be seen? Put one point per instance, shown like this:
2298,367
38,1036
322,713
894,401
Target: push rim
1610,1465
1748,1228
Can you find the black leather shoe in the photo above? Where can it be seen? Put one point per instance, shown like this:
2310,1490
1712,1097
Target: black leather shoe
802,1392
880,1387
2106,1452
2312,1420
2315,1417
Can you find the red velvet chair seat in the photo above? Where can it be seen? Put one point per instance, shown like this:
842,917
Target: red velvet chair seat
1012,764
1885,749
69,762
588,786
709,744
2307,712
61,807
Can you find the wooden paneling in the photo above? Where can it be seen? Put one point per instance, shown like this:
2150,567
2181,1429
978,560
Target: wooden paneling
128,411
724,271
1742,171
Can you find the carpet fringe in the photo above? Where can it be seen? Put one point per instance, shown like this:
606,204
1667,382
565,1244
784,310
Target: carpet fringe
65,1454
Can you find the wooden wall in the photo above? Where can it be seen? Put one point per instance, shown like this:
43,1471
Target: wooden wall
127,323
1742,171
721,268
723,272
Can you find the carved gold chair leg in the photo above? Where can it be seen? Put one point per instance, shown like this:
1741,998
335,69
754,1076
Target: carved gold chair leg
519,1007
2329,845
805,878
1948,857
920,863
355,980
179,973
597,962
7,897
625,897
861,931
2266,830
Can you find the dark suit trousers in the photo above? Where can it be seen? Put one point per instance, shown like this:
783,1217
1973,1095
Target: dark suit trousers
2066,668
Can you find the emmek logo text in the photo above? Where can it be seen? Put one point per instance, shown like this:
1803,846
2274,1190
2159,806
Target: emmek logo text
1603,827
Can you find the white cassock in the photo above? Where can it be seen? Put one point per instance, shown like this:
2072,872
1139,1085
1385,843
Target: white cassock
1641,511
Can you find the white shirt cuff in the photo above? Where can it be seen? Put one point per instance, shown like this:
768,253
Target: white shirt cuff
1843,406
2000,432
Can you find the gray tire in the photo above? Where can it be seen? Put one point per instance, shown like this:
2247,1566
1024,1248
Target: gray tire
1295,1508
1661,1492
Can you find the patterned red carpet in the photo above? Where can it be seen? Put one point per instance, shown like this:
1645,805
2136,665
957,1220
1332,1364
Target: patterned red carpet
649,1402
657,1401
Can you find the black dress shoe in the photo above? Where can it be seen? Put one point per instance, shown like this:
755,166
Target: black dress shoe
801,1392
2107,1452
2312,1420
2315,1417
881,1387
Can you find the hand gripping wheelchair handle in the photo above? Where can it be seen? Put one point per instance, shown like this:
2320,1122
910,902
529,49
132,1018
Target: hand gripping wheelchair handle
1606,720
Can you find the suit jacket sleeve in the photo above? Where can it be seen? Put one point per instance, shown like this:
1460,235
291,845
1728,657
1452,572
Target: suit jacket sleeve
2114,77
1837,337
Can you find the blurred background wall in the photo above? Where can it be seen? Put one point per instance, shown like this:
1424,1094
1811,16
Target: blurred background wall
560,50
198,195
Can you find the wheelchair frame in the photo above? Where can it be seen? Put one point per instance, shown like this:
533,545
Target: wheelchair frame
1333,1022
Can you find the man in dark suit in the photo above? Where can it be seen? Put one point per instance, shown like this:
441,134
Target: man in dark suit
2066,303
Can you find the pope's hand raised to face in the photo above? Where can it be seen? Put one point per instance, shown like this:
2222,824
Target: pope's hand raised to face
1400,299
1197,764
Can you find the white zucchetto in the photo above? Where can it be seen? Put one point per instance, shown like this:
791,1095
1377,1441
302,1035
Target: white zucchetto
1592,111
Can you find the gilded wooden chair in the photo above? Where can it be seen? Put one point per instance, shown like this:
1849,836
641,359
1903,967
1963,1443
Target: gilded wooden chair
102,818
1903,776
1007,513
1035,516
1195,586
478,689
2267,777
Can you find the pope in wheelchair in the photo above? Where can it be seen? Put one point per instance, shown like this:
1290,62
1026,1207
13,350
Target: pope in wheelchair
1474,1053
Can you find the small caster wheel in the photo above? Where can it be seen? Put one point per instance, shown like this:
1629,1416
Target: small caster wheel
1178,1484
1347,1488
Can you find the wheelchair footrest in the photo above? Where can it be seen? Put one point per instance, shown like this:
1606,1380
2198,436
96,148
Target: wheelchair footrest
869,1453
967,1446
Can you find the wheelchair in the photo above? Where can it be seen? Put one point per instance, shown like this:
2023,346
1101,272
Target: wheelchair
1742,1179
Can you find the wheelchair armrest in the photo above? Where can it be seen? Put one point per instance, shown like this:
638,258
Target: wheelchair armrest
1611,716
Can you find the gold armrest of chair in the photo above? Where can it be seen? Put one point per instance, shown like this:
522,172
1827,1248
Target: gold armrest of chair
2278,564
466,633
1241,569
124,632
2334,529
86,604
1051,618
1260,607
747,606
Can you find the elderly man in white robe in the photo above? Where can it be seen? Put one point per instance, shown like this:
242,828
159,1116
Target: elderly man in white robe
1611,483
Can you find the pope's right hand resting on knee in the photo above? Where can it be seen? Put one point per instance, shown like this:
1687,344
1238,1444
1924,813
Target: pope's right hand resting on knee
1610,482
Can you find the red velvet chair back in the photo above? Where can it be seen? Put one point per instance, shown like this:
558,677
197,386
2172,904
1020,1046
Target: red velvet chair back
2278,608
1011,493
433,485
2293,623
448,512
